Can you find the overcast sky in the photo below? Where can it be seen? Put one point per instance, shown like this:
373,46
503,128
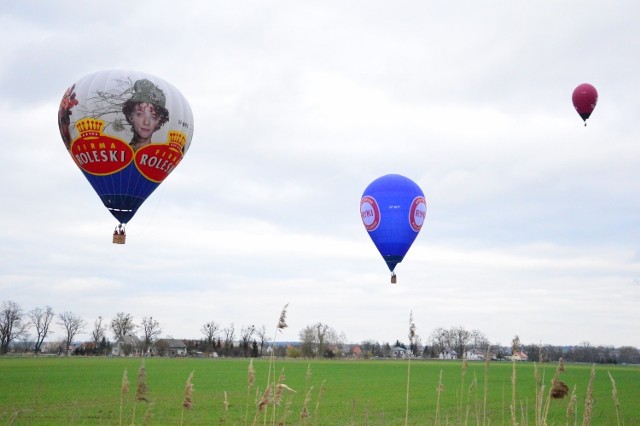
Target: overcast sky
533,221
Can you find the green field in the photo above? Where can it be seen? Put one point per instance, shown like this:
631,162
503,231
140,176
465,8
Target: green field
62,391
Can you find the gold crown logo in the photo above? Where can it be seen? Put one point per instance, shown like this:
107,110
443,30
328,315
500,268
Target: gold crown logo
177,140
89,127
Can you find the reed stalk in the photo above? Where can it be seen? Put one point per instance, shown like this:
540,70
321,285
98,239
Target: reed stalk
512,407
588,401
187,403
439,390
614,396
251,379
124,389
412,335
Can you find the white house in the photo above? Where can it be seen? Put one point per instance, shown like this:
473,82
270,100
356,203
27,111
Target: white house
517,356
448,353
399,352
474,355
126,345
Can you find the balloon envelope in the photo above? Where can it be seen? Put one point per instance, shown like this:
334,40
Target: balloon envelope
126,131
393,210
585,98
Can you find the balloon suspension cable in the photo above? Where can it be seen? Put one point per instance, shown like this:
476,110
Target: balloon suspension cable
394,279
119,234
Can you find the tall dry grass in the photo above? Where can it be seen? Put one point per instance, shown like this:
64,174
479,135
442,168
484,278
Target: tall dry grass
141,394
588,401
187,403
272,404
274,401
614,396
412,335
124,389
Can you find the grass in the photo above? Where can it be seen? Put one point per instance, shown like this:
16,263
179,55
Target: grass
57,391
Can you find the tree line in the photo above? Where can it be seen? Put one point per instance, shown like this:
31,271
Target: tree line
318,340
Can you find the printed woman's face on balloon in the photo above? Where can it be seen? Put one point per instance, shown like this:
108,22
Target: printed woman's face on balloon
145,120
127,131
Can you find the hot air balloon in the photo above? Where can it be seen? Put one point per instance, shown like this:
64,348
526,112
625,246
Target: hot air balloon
393,210
126,131
585,98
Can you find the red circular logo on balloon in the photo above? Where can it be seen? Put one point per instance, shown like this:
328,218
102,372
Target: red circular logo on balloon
417,213
369,212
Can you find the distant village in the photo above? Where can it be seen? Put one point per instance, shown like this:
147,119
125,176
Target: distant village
132,346
30,333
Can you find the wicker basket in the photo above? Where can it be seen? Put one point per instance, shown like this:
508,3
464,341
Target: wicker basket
119,238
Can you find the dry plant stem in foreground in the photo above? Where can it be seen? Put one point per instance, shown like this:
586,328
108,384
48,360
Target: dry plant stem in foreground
571,409
614,396
588,402
187,403
463,373
124,389
320,394
487,361
514,420
251,379
282,324
439,389
412,335
141,391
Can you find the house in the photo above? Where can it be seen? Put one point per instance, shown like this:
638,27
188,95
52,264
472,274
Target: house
356,351
126,345
448,353
517,356
474,355
170,347
399,352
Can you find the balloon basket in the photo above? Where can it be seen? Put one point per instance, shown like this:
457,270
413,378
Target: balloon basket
394,279
119,235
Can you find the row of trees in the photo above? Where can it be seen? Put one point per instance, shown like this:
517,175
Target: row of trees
317,340
17,325
14,325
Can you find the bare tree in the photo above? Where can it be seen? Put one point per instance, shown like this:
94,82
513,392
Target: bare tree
73,325
98,333
333,342
262,336
320,340
628,355
308,341
245,335
321,333
25,343
41,319
460,338
479,340
439,341
229,333
122,325
11,325
150,330
515,345
210,331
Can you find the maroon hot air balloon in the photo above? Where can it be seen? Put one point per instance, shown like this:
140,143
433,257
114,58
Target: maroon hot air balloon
585,98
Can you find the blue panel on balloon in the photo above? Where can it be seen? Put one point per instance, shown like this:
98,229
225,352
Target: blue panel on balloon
123,192
393,209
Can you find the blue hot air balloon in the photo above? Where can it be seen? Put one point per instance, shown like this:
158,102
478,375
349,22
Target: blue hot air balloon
126,131
393,210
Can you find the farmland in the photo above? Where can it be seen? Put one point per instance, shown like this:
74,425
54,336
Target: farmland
94,390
